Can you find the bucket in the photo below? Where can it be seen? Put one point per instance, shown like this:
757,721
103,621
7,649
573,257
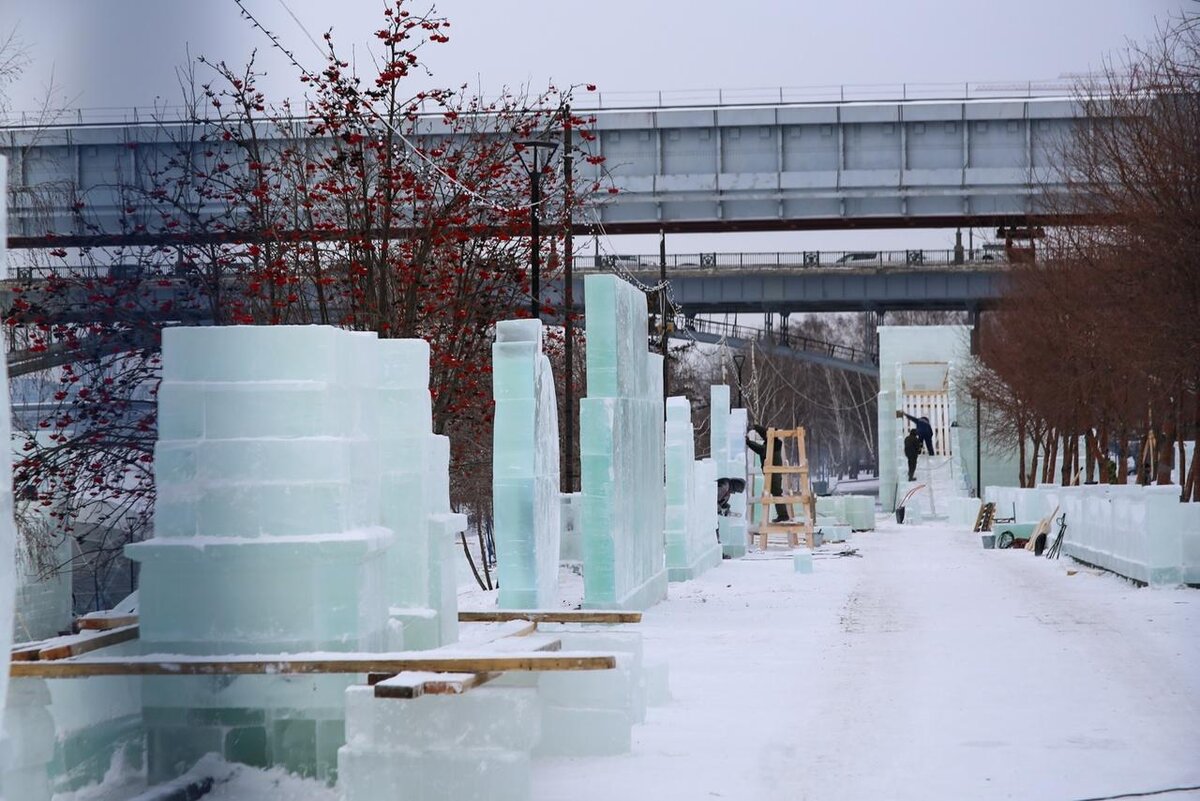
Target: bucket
989,540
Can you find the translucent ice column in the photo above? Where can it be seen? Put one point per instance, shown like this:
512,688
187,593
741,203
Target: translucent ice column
525,484
622,452
421,589
691,526
267,537
728,438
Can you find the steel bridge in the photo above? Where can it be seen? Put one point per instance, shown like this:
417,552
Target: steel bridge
755,166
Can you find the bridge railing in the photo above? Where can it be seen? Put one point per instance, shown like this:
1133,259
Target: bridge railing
623,100
782,337
824,259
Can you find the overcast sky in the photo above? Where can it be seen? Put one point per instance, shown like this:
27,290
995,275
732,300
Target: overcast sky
116,53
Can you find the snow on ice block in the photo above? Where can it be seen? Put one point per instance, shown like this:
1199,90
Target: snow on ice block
802,561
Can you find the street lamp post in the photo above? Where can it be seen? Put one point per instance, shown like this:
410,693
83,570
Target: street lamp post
739,361
535,155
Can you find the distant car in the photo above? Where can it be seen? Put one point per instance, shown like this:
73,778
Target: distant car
854,258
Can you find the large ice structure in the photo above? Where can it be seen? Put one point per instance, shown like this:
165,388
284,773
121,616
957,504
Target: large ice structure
691,520
525,480
302,506
621,450
918,366
727,443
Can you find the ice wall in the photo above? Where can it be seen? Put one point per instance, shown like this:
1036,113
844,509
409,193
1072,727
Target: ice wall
622,452
287,457
525,483
691,521
8,579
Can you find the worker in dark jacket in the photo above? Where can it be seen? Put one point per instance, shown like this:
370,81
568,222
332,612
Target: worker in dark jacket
782,514
924,430
912,447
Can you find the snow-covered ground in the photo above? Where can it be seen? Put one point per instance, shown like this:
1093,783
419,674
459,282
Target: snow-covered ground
927,668
922,668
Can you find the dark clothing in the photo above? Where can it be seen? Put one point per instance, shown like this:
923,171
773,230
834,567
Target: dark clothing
924,432
781,510
912,447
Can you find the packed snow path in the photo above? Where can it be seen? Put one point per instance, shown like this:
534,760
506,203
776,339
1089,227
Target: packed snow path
928,668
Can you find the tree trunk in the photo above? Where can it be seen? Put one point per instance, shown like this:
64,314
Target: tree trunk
1089,443
1020,451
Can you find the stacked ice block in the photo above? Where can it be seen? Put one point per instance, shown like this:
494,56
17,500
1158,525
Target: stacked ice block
727,443
269,536
733,526
621,448
525,468
472,747
691,522
414,476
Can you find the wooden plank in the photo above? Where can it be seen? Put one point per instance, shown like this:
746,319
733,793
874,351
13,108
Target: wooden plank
79,644
548,616
27,652
498,630
413,685
104,622
296,664
789,499
788,469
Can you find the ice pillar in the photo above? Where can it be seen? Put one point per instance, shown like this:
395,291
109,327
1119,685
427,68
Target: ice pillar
728,442
691,524
525,468
622,452
415,503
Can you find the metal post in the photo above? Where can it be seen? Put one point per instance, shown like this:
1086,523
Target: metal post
662,295
535,199
569,303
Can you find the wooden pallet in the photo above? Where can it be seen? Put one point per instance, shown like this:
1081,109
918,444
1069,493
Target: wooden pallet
796,490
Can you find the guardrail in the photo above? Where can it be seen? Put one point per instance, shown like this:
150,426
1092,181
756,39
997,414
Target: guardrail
623,100
792,260
782,337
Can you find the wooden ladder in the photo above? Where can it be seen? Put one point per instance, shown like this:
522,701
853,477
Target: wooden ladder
983,521
795,487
